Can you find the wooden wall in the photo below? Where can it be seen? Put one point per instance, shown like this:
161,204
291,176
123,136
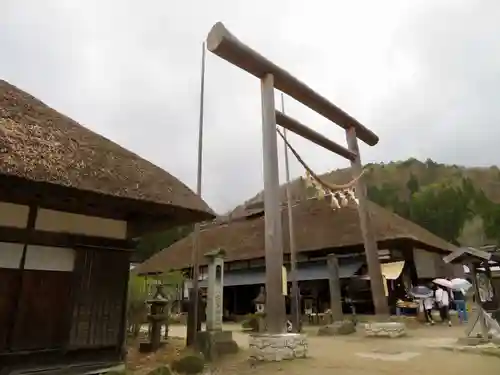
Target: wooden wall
41,319
101,278
63,298
34,300
9,280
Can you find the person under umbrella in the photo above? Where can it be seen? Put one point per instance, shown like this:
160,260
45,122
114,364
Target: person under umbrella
426,297
443,301
460,305
459,288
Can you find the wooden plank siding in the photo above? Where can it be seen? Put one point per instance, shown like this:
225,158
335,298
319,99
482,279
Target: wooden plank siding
42,311
9,283
98,305
65,309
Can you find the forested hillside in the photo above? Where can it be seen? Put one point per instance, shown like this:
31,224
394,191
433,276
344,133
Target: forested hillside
459,204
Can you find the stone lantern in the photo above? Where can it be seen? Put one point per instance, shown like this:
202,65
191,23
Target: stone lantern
156,318
260,301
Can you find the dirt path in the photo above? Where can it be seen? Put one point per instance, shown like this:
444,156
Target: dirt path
356,355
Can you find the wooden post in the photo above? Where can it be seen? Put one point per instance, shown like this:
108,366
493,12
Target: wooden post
371,249
480,311
334,283
496,297
275,303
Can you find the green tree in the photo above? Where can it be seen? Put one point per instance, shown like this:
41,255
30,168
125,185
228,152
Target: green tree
442,209
136,303
491,221
150,244
412,184
141,288
388,196
429,163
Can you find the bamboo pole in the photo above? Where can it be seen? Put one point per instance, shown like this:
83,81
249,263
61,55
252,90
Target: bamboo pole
295,302
192,334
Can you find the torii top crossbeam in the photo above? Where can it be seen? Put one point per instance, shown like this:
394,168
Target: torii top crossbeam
225,45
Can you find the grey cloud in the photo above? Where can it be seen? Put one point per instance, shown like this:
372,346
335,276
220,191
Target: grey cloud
423,74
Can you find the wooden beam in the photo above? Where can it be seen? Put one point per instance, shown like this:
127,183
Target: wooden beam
313,136
57,361
30,228
467,253
225,45
41,238
371,250
275,301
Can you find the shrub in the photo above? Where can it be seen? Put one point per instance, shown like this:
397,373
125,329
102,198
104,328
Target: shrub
251,322
162,370
189,364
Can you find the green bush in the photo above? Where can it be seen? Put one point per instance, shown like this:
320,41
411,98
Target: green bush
190,364
251,322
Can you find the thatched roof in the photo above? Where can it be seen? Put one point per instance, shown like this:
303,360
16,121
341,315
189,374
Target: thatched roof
316,226
39,144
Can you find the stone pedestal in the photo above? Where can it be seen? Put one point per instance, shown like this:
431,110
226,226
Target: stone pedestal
385,329
214,344
277,347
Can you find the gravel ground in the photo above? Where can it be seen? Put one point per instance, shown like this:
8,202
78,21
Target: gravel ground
356,355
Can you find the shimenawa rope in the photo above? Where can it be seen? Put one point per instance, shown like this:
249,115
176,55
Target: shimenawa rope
324,184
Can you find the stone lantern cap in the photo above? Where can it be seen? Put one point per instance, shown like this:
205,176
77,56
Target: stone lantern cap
217,253
261,298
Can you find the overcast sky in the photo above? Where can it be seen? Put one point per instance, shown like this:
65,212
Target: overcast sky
423,74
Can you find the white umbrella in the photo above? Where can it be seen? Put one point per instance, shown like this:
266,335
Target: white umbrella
443,282
460,284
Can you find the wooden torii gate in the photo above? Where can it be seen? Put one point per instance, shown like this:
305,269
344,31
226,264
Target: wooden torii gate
225,45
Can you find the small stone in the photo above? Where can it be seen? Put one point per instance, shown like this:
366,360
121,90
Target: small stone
385,329
344,327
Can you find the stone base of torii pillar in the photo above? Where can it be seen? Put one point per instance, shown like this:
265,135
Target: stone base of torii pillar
271,347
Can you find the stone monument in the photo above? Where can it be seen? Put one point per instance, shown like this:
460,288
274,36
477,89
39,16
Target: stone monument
214,341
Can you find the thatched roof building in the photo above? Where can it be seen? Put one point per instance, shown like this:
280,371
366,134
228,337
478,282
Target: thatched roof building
317,227
72,204
41,145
